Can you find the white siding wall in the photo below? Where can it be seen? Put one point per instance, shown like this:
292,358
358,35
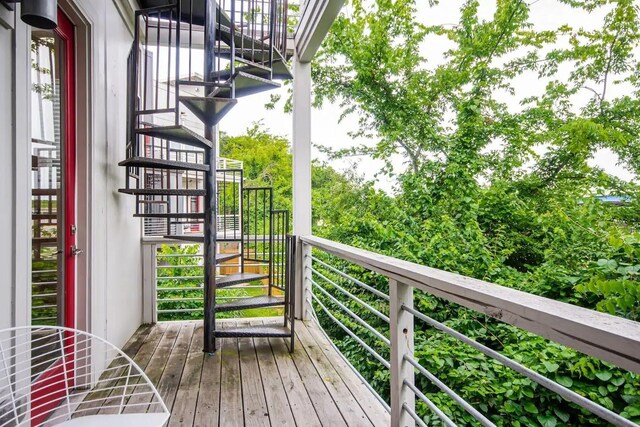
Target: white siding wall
111,270
124,259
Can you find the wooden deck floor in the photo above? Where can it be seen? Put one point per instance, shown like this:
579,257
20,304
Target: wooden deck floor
253,381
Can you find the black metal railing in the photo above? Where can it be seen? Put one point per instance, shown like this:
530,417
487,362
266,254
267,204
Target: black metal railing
257,204
172,38
278,250
229,215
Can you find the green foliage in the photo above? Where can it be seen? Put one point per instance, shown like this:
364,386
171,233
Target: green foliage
615,281
500,186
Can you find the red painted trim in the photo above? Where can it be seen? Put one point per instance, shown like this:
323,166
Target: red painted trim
66,31
49,388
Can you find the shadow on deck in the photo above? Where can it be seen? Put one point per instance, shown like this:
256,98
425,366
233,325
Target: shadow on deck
252,381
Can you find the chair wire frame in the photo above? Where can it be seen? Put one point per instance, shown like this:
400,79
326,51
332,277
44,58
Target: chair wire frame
50,375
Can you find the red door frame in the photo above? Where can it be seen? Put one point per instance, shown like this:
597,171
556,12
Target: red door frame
49,389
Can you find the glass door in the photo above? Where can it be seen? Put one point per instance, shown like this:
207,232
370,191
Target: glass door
53,203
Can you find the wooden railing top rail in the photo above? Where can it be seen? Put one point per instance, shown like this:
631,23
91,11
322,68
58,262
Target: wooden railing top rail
600,335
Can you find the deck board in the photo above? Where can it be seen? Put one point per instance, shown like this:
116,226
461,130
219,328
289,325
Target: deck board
376,413
184,408
231,411
348,406
253,381
157,364
253,399
277,402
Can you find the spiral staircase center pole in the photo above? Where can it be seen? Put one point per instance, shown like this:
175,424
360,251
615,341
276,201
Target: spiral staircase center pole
210,197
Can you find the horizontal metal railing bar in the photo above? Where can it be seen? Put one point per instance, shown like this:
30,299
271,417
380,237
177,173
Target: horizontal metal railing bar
192,310
353,297
568,394
603,336
42,307
195,288
353,369
364,345
178,299
200,288
167,267
200,299
413,415
181,310
179,255
352,314
179,277
158,267
352,279
420,395
452,394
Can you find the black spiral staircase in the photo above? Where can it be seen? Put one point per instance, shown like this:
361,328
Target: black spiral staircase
240,48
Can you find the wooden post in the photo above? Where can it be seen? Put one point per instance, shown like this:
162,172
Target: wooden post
401,344
301,175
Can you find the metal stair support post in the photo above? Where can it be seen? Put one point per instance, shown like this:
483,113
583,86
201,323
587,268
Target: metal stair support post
402,343
210,198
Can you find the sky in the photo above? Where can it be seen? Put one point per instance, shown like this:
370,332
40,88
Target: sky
328,131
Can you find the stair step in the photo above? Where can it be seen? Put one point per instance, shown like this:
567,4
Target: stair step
220,258
162,191
195,238
245,55
256,70
210,110
245,43
280,69
238,279
170,215
261,331
178,133
249,303
146,162
247,84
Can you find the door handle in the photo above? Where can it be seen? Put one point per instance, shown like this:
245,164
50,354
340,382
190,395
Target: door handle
75,251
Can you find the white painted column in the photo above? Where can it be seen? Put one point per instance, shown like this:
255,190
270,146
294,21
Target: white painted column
22,171
301,177
149,281
402,344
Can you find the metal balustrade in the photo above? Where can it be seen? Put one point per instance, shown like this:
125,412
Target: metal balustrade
173,282
334,295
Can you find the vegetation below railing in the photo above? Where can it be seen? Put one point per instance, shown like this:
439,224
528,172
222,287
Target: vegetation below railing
506,397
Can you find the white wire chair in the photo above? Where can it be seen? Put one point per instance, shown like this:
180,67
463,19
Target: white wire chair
64,377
